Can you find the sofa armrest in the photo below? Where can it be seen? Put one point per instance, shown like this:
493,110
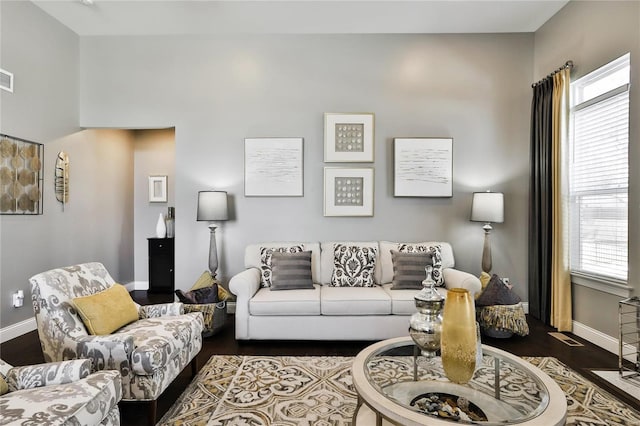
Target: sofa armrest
52,373
245,284
454,278
161,310
108,352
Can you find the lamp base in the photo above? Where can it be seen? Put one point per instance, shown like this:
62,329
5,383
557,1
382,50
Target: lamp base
213,252
486,249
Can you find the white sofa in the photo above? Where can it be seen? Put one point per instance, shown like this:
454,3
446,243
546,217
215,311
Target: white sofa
332,313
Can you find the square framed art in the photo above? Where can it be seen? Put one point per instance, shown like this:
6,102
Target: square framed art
348,138
348,191
273,167
422,167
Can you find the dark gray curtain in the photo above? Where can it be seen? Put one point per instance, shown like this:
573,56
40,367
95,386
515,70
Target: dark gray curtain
540,203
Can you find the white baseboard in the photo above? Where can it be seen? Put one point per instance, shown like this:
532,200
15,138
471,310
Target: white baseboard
17,329
598,338
137,285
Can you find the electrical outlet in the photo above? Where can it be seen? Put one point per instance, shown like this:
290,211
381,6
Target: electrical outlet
18,299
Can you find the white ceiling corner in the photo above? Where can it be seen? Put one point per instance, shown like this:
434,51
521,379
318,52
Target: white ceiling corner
193,17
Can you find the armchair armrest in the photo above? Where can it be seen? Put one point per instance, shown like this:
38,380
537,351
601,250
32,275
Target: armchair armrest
454,278
53,373
109,352
161,310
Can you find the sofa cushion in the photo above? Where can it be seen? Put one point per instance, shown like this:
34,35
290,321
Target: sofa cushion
265,260
354,301
105,312
292,302
386,263
403,302
409,269
290,271
353,266
328,255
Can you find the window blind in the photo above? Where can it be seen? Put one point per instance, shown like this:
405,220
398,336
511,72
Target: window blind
598,187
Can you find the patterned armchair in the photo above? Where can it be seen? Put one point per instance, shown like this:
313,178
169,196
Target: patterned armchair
149,352
59,393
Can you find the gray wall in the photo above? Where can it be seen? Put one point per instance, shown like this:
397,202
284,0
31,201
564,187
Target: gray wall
154,154
593,34
96,224
218,90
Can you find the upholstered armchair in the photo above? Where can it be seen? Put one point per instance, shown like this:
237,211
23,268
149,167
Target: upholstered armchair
59,393
149,351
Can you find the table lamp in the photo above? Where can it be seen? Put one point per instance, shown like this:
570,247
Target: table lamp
212,206
487,207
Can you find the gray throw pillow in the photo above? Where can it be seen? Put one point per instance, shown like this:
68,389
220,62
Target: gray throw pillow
408,269
497,293
265,261
291,271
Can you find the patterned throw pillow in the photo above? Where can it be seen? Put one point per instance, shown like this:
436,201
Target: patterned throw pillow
291,271
353,266
408,269
265,260
436,257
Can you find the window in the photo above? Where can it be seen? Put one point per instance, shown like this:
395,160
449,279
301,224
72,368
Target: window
599,174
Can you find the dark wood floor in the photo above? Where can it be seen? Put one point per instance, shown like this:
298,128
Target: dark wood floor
25,350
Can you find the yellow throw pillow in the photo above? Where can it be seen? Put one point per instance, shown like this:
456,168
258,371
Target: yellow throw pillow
206,280
107,311
484,280
4,388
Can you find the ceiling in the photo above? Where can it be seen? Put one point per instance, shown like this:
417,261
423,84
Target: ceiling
191,17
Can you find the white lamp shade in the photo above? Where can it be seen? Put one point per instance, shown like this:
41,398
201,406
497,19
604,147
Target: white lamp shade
487,207
212,205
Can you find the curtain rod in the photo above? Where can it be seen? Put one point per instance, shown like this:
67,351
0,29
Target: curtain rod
568,64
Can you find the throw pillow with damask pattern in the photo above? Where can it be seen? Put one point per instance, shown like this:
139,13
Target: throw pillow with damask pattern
353,266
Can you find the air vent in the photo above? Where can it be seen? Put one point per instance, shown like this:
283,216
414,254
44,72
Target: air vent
6,80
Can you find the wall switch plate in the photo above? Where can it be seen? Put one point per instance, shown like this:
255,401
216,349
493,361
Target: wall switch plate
18,299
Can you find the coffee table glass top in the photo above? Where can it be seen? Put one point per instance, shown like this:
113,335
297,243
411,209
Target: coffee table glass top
504,389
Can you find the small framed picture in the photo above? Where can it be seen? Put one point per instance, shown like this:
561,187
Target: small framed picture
348,138
348,192
423,167
157,189
273,167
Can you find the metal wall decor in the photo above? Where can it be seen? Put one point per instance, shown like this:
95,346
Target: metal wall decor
348,137
62,178
21,176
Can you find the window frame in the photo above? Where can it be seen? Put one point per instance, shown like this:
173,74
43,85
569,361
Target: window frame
607,284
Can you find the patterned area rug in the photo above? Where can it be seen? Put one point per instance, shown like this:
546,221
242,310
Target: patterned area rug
296,391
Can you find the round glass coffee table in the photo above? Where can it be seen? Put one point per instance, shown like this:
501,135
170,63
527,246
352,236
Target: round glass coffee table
396,385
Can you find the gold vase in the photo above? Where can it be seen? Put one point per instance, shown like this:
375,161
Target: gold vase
459,339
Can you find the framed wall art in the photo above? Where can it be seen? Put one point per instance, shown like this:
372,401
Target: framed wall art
158,189
423,167
21,176
348,192
273,167
348,138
